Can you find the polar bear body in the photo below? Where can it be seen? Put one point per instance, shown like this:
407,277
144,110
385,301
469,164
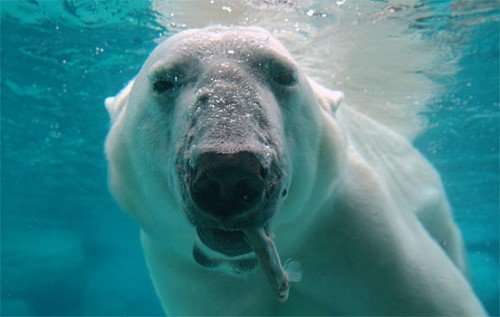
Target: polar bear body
365,213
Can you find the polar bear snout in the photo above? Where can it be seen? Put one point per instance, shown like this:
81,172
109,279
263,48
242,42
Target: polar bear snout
227,185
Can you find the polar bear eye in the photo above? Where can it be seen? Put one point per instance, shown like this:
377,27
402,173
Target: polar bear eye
162,85
285,79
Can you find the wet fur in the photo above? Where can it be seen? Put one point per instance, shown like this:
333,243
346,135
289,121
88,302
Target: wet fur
365,214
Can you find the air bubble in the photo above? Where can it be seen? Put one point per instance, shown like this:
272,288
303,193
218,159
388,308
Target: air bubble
310,12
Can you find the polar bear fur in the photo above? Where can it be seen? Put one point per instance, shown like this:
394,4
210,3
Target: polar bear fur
365,214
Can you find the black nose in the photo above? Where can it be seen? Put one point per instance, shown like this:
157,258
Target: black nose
225,184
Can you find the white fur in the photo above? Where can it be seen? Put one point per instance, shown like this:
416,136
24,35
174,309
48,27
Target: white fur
366,214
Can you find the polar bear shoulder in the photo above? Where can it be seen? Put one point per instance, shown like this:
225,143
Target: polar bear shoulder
411,181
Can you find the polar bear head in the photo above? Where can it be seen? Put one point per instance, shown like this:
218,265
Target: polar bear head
221,126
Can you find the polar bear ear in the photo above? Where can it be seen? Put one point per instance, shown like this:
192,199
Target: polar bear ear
330,100
116,104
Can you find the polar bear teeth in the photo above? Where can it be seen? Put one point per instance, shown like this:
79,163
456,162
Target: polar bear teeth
264,248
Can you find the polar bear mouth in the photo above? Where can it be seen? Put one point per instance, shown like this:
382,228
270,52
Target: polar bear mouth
236,246
230,243
226,251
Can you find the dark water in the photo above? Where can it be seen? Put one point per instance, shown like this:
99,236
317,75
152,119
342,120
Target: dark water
66,247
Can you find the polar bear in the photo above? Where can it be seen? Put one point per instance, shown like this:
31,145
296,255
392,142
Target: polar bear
231,159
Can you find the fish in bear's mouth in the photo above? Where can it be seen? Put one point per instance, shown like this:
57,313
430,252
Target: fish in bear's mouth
236,248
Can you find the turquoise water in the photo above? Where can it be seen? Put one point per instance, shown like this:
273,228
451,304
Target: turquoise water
66,247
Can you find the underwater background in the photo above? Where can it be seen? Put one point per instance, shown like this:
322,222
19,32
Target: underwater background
66,247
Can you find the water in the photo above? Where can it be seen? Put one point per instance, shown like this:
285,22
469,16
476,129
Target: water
66,247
